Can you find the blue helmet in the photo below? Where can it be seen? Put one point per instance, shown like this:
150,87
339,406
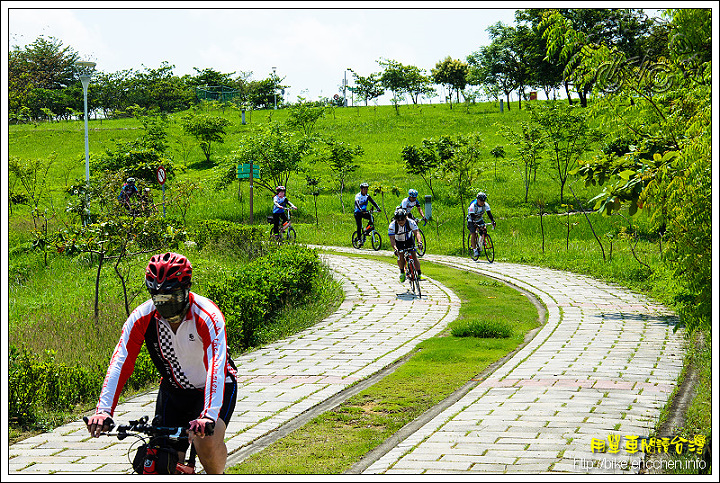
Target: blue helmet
413,193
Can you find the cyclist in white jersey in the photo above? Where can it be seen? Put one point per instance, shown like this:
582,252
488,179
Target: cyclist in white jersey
402,233
412,202
475,214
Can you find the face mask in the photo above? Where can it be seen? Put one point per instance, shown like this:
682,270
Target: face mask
171,306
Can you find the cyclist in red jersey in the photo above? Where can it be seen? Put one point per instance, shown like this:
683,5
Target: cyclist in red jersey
185,336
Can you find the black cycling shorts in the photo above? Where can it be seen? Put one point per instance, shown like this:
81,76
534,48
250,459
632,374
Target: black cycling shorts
402,245
177,407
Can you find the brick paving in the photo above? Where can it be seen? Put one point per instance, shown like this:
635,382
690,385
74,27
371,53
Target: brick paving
604,364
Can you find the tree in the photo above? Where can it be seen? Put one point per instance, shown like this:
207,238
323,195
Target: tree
397,78
499,63
453,74
304,115
367,88
566,133
278,154
529,143
658,157
340,157
206,129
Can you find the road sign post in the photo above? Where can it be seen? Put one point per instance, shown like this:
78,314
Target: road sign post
161,176
248,171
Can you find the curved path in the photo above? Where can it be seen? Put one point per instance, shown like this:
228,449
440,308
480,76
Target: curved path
605,363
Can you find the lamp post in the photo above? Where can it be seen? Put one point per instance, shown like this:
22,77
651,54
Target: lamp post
85,79
274,88
345,88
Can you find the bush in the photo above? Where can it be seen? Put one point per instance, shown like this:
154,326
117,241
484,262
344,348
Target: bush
226,235
252,296
483,329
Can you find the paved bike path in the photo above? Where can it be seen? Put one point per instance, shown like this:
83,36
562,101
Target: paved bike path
605,363
602,367
376,324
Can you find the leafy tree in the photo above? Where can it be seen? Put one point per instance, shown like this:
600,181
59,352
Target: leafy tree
278,153
340,157
659,155
566,132
397,78
367,88
304,115
453,74
207,129
499,63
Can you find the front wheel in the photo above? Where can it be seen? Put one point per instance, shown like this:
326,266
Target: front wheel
290,235
421,250
489,249
376,240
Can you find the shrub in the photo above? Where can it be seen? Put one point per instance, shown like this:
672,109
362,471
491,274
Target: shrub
226,235
483,329
252,296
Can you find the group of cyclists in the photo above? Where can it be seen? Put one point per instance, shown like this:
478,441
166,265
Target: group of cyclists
185,335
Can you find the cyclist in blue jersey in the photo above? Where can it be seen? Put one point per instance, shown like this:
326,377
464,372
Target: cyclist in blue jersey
280,205
361,207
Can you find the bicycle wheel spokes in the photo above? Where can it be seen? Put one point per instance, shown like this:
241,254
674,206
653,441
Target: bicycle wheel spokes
421,251
489,249
290,235
355,240
376,240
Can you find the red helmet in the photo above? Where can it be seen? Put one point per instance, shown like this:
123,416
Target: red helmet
167,272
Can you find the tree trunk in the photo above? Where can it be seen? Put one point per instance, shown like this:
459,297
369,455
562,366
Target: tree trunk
567,91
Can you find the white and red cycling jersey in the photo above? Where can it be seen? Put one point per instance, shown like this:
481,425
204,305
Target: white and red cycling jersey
195,357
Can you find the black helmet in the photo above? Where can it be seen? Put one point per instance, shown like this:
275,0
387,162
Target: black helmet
400,214
481,196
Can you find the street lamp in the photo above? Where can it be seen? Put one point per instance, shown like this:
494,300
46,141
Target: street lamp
274,88
85,79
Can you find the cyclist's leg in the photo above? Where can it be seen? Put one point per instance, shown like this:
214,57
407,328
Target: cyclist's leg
358,223
276,223
211,450
473,234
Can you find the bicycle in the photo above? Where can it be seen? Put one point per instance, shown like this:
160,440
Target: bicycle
421,246
155,456
369,231
286,232
411,270
484,240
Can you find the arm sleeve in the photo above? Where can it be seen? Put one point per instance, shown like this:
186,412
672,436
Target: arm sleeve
212,331
123,359
373,202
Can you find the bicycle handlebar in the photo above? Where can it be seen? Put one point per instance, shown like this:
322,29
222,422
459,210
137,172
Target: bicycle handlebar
140,426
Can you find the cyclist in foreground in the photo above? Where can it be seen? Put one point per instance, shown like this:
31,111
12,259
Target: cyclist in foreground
185,336
412,202
402,233
477,208
361,207
280,205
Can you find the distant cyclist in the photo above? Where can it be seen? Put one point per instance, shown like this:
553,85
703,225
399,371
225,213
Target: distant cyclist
280,205
361,211
128,192
403,232
477,208
412,202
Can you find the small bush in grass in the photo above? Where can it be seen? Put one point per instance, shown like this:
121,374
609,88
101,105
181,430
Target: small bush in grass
486,329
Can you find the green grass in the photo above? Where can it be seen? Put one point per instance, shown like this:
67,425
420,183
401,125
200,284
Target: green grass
58,296
332,442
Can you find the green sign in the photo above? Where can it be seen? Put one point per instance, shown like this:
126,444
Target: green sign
243,171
